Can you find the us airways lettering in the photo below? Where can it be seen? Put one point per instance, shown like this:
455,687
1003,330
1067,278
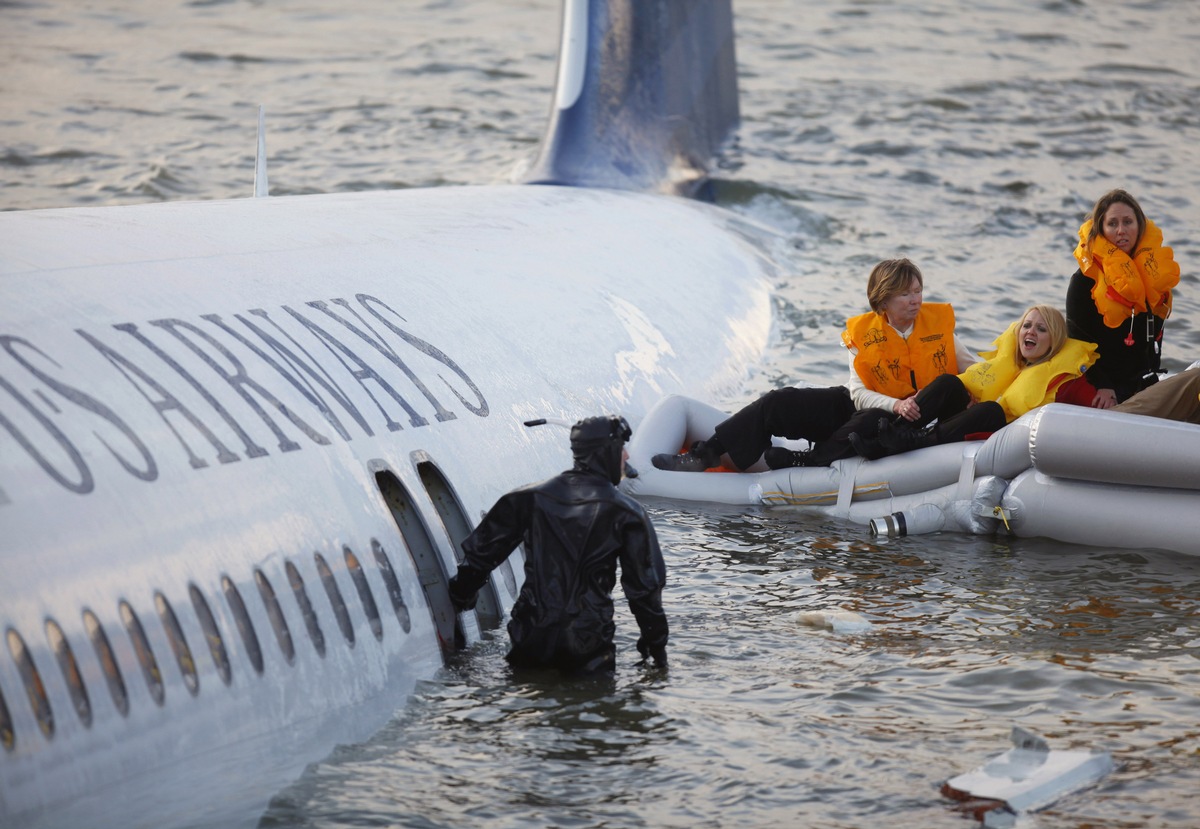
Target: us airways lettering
220,389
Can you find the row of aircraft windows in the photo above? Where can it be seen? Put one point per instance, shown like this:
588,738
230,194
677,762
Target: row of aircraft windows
215,642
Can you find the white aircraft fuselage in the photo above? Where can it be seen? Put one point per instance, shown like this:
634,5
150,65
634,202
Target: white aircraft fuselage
196,398
241,441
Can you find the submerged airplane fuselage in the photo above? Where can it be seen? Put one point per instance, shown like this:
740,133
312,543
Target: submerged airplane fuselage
241,441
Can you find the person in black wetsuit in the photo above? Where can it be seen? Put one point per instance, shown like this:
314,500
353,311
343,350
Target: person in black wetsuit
576,528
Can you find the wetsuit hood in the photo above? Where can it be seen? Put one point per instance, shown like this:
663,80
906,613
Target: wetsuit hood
597,443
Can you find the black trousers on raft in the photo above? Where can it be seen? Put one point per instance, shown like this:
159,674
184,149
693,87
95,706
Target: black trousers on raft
824,417
946,400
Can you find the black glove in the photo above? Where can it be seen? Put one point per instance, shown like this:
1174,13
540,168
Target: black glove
656,652
462,599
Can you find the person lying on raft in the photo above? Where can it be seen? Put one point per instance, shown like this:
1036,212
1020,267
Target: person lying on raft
1033,362
1175,398
898,347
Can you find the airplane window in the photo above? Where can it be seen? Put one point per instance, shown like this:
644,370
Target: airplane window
145,656
306,609
244,625
33,682
108,662
70,671
393,585
8,737
212,635
275,614
335,598
364,592
179,645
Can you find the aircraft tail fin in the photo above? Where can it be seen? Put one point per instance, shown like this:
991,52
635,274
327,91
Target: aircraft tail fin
646,94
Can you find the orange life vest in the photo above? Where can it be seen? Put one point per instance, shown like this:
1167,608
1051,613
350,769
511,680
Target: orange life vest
889,364
1126,285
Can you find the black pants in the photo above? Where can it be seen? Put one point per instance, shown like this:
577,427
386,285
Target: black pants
947,400
824,417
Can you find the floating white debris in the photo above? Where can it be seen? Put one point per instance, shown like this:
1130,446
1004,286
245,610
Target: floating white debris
838,621
1025,778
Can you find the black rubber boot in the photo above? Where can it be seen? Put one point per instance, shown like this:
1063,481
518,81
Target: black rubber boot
897,439
892,440
869,448
777,457
697,459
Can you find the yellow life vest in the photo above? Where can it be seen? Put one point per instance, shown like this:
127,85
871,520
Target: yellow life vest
1019,390
1123,285
890,364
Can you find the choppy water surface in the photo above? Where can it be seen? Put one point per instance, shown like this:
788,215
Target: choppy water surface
971,137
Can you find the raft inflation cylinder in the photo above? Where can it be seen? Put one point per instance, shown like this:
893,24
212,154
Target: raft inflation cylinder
924,518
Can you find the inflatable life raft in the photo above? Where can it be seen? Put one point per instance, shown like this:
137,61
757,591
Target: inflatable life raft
1065,472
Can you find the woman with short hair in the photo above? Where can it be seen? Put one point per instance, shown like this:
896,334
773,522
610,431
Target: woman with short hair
896,348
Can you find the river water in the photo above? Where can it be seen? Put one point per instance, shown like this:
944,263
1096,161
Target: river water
970,136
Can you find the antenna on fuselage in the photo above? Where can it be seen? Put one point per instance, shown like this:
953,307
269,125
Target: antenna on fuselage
542,421
260,157
630,471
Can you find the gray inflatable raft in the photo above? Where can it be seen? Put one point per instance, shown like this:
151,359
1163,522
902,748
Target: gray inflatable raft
1064,472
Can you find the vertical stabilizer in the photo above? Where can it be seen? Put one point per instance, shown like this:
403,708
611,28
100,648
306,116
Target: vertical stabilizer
261,188
647,92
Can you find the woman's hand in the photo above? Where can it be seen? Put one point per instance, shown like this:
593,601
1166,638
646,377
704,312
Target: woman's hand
907,408
1104,399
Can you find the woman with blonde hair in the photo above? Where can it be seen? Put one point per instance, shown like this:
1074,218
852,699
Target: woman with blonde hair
1033,361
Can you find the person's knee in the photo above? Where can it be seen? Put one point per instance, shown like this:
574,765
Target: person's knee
786,395
991,416
950,387
836,398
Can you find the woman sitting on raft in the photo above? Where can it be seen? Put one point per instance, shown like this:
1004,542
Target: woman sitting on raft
898,347
1034,360
1120,299
1121,296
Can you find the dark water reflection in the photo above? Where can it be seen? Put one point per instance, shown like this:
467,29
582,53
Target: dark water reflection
766,720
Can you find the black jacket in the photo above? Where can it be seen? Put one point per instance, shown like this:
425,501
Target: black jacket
575,527
1127,369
